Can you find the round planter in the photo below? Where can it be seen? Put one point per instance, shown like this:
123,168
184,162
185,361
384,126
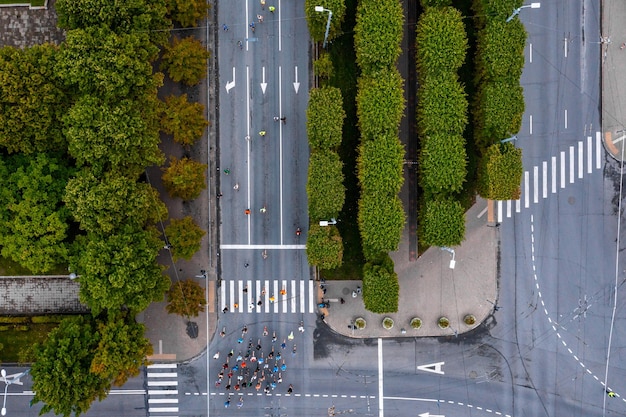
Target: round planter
469,319
360,323
416,323
388,323
443,323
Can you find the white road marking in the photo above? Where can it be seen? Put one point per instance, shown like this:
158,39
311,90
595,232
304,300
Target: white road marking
296,84
163,410
263,83
162,366
580,159
162,374
571,164
435,368
251,300
162,401
598,150
266,296
258,292
562,169
535,184
565,47
283,298
232,291
544,179
293,295
280,149
565,118
248,141
481,214
311,297
530,53
268,247
302,298
530,124
162,383
526,190
518,205
222,297
240,298
381,411
589,152
276,296
499,215
553,174
508,208
162,392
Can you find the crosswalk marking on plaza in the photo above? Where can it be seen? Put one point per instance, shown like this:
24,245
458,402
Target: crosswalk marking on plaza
572,163
275,296
163,395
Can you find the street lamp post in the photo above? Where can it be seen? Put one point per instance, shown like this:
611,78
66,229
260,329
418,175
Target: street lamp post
450,250
509,139
330,15
519,9
9,380
330,222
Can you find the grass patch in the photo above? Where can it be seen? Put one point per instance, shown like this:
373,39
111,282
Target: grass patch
31,2
9,267
344,77
17,342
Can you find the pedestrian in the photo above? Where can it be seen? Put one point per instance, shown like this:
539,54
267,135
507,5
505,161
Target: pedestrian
245,266
231,353
252,26
272,9
290,389
280,378
263,4
240,403
223,332
216,356
290,337
273,337
245,289
272,299
226,171
260,17
219,195
610,393
244,330
262,133
227,403
301,327
236,305
265,332
225,310
240,44
283,291
225,27
284,120
247,211
284,344
236,187
260,302
251,306
263,209
342,301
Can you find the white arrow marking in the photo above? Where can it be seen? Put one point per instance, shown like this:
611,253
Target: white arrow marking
263,83
430,415
432,367
296,84
230,84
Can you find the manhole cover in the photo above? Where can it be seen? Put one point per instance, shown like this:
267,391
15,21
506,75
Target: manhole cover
192,329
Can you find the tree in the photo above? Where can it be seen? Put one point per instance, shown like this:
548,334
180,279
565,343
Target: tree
184,178
186,298
380,164
31,100
317,20
381,289
442,106
499,111
119,16
380,102
103,205
443,223
500,172
187,12
381,220
121,136
325,116
120,270
61,372
122,348
185,60
324,186
185,236
184,120
443,163
108,65
33,220
324,247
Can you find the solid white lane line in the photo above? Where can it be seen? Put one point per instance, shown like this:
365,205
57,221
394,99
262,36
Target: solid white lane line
565,47
530,124
530,53
280,30
545,178
280,156
535,184
589,155
571,164
526,189
381,410
248,137
562,169
580,159
499,216
263,247
553,174
598,150
302,297
311,297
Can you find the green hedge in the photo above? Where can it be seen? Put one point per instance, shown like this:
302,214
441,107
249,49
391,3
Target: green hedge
381,220
442,106
441,42
500,107
380,164
443,223
381,289
325,116
500,51
443,164
325,189
435,3
14,320
380,102
377,34
500,172
324,247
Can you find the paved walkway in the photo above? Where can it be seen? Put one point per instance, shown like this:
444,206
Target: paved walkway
23,26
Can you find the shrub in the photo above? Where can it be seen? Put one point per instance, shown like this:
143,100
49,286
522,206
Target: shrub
440,41
185,236
416,323
324,187
380,102
323,66
443,223
469,319
435,3
500,172
442,163
500,54
500,107
324,247
380,164
388,323
380,286
360,323
442,106
443,322
14,320
52,318
381,220
325,115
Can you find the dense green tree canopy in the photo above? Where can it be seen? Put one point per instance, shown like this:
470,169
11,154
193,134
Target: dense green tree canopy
500,172
187,12
186,298
381,289
33,220
61,376
499,112
185,60
108,65
380,102
103,205
381,220
443,223
184,178
120,270
443,163
121,16
324,247
380,164
31,102
324,118
324,187
122,136
183,120
185,236
500,55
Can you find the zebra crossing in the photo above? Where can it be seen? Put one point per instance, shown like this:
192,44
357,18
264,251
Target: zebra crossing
268,296
162,380
569,165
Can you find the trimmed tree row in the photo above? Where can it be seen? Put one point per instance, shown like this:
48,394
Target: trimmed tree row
499,102
441,119
380,106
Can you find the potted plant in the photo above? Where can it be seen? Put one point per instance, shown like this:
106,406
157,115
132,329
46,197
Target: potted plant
360,323
443,322
416,323
388,323
469,319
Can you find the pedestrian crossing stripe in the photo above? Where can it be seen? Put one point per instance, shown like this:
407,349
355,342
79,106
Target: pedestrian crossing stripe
555,173
275,296
163,395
